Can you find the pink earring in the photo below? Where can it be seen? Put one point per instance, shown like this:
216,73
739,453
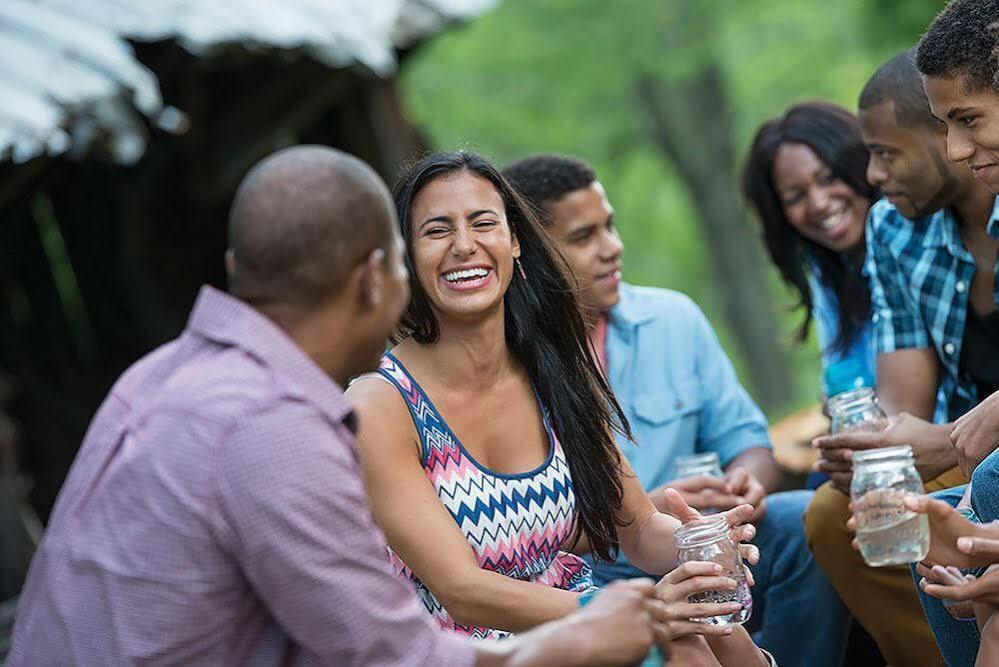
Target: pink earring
521,268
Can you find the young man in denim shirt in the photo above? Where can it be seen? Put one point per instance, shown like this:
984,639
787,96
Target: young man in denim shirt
681,395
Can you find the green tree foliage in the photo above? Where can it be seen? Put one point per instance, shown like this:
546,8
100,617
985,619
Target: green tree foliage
560,75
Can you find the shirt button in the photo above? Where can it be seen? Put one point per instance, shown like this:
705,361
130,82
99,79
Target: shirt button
949,348
959,287
678,404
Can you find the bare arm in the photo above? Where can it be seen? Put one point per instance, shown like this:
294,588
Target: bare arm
737,650
423,533
761,464
616,628
647,537
907,381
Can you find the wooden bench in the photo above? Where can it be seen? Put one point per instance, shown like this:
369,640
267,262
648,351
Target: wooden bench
792,441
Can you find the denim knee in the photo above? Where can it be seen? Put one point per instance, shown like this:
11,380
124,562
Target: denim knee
985,488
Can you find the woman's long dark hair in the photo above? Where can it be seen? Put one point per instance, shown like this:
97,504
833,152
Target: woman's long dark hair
546,334
833,134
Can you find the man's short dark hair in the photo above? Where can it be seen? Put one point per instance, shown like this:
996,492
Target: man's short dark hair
898,81
547,178
961,42
301,220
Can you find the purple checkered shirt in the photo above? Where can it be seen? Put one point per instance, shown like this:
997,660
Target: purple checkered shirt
215,514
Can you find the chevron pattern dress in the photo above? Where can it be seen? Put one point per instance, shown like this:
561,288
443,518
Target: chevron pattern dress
516,524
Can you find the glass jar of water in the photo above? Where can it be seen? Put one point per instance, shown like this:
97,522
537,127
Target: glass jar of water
888,533
693,465
856,410
710,540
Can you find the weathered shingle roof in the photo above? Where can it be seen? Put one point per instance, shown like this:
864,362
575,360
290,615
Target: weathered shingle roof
68,74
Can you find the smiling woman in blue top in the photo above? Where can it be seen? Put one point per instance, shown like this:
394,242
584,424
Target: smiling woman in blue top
805,178
681,395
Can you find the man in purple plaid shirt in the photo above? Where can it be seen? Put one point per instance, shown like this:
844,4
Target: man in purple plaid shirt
215,513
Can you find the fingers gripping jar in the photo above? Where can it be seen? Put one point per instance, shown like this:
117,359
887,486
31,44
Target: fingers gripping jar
888,533
710,540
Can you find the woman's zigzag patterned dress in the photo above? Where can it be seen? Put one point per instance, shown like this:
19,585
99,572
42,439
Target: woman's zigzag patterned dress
516,524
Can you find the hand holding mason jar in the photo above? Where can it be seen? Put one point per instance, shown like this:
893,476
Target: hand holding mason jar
854,411
710,540
888,532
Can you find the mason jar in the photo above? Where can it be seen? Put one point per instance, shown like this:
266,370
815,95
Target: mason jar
856,410
888,533
693,465
710,540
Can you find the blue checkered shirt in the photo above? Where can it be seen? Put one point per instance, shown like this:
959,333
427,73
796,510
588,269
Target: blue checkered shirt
920,276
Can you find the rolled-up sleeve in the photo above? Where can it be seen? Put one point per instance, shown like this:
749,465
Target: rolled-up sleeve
295,517
731,422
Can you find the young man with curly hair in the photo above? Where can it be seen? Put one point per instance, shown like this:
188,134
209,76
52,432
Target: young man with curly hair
958,59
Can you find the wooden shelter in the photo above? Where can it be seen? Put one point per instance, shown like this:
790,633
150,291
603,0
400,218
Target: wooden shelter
126,126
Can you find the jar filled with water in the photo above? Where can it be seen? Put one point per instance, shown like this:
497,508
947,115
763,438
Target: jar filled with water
710,540
887,532
693,465
856,410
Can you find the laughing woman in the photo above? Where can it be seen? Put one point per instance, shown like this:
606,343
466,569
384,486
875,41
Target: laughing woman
806,178
487,447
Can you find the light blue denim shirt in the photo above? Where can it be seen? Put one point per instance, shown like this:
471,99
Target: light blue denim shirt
676,385
677,388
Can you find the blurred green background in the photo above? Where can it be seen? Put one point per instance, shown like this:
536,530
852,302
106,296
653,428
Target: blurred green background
563,75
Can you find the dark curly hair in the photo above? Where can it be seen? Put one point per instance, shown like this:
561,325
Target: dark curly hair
961,42
547,337
833,134
549,177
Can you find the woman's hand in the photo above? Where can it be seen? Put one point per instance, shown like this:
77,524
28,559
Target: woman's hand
675,613
738,518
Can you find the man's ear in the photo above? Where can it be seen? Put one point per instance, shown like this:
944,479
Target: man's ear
230,266
371,278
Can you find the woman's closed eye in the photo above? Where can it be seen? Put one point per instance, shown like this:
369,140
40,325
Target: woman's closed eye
792,198
437,232
484,224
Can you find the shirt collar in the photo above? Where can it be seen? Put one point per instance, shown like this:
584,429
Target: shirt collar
942,232
993,226
223,318
629,311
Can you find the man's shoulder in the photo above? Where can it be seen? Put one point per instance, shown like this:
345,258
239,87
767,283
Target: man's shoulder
210,383
657,302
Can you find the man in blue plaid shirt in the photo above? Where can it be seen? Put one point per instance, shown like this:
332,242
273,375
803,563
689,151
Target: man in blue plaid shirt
931,258
931,266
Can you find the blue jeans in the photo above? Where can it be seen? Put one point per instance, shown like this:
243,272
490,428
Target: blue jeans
958,640
800,618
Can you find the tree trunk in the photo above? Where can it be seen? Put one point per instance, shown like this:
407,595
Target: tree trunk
690,123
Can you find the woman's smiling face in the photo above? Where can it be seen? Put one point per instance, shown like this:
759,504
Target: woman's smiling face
462,246
821,207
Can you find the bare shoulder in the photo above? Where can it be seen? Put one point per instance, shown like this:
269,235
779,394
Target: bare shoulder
383,421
